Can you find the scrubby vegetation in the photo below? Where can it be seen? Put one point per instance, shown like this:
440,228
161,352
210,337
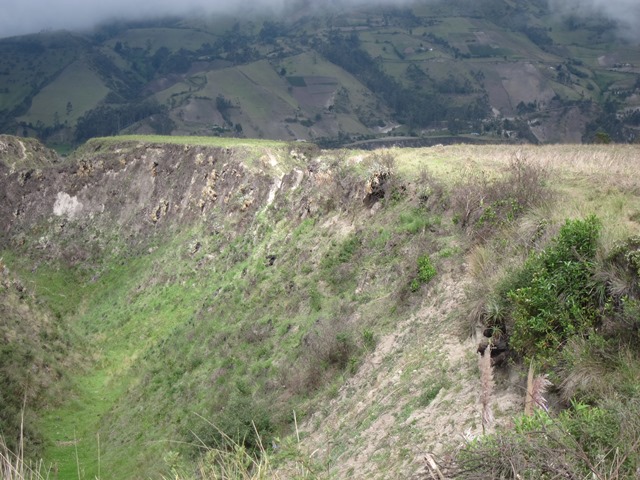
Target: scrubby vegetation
32,364
569,309
561,312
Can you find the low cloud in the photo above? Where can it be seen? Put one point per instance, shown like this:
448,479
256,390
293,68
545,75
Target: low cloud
626,13
30,16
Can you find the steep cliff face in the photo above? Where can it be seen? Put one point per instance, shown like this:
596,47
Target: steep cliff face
34,343
123,193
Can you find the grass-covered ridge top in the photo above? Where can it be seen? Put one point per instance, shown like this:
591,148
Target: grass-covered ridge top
190,140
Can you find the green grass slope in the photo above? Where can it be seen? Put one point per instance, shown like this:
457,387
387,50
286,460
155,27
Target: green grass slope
33,362
209,290
62,102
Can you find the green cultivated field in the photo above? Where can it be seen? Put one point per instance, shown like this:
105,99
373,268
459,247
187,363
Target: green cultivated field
165,75
55,97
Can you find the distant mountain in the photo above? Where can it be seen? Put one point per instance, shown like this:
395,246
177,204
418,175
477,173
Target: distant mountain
495,70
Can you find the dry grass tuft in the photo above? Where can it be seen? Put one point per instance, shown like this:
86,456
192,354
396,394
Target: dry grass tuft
13,465
596,369
329,348
537,386
483,204
235,462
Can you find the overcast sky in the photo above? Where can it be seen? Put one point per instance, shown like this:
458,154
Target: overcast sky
18,17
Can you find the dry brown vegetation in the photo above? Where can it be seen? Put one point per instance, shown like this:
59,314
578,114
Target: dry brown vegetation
14,465
482,203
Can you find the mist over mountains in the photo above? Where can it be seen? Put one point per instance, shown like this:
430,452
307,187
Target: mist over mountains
625,12
31,16
334,73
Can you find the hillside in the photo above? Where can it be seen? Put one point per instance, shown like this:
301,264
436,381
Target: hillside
491,71
189,289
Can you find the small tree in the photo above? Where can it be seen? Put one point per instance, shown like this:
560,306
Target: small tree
602,138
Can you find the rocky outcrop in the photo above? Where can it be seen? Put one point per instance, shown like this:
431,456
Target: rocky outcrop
118,194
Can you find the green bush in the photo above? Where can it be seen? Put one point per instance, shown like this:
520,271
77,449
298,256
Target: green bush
552,299
426,272
243,421
336,265
414,221
369,339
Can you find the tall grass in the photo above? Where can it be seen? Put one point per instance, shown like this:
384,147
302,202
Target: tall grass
13,465
231,460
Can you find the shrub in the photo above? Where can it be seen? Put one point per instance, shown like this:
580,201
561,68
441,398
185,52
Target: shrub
426,272
432,194
329,348
413,221
341,253
369,339
243,421
337,265
620,273
582,442
617,291
552,299
481,205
